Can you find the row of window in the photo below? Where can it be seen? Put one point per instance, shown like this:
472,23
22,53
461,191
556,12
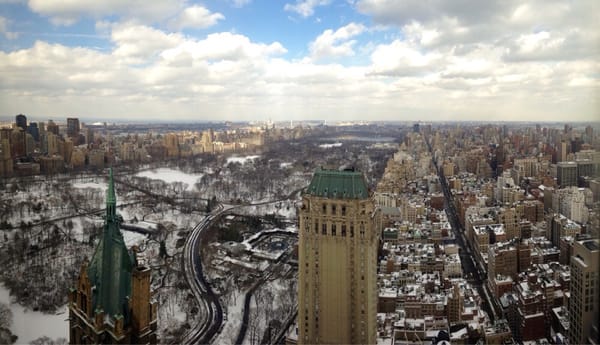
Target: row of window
333,229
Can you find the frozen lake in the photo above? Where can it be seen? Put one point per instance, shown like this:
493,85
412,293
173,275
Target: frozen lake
30,325
242,160
171,175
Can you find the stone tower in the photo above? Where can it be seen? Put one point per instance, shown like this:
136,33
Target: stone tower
339,232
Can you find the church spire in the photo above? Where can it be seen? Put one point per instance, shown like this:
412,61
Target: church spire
111,199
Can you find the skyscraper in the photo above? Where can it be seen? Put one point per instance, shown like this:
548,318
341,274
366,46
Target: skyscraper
584,288
21,121
339,231
111,302
566,174
73,127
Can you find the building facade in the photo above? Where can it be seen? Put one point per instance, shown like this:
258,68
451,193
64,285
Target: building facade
111,302
339,232
584,288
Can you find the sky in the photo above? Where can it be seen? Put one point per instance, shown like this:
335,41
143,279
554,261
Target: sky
389,60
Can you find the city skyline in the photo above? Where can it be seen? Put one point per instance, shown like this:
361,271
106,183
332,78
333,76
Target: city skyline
330,60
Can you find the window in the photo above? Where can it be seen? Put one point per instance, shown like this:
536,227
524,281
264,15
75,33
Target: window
351,230
323,229
333,209
343,210
316,227
344,230
333,229
324,208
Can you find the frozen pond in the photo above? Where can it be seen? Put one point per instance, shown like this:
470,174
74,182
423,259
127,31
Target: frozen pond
241,160
171,175
30,325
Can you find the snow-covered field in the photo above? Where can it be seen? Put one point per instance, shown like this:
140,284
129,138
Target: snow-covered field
133,238
241,160
234,305
29,325
94,185
171,175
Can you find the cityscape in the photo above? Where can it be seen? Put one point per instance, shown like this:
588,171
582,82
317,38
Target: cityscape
387,233
386,172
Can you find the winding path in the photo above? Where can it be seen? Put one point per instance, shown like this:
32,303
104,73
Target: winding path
210,325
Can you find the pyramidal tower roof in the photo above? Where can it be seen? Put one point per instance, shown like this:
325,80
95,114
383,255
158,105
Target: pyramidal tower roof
110,268
344,184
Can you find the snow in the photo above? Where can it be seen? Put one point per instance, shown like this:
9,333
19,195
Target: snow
132,238
171,175
285,165
242,160
328,146
233,310
93,185
29,325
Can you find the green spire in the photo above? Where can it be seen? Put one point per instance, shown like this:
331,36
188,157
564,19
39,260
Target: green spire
111,266
111,198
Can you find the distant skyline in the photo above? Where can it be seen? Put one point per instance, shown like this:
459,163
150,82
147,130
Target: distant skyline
245,60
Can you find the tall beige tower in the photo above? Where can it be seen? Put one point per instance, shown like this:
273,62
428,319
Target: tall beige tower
339,229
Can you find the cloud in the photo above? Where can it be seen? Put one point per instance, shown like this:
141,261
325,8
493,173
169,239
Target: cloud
305,8
446,60
198,17
4,22
68,12
335,43
399,58
139,43
241,3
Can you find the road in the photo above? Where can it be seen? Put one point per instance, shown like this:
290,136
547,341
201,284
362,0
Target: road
476,275
210,307
207,329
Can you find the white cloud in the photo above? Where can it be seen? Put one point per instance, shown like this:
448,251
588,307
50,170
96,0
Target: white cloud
399,58
4,22
336,43
429,63
196,17
305,8
140,43
68,12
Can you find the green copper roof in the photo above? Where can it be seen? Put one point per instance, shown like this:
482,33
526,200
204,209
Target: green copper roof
338,184
111,266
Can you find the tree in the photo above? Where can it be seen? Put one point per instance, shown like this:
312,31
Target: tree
6,316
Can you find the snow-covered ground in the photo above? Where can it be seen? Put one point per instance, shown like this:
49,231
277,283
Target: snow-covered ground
171,175
234,305
29,325
274,300
132,238
242,160
94,185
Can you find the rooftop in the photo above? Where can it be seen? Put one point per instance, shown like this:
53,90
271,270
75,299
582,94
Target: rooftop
346,184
